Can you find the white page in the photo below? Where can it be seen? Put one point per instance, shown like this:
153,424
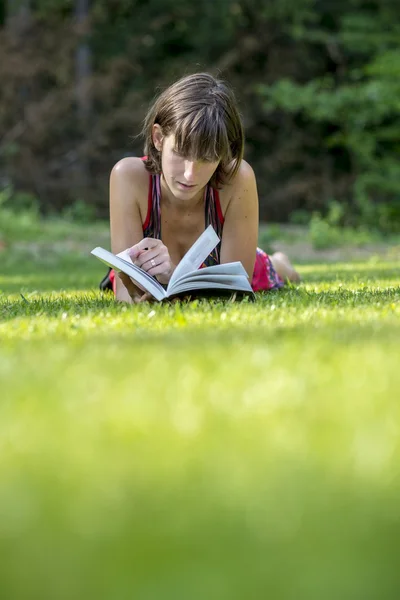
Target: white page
241,285
234,268
196,255
125,256
212,281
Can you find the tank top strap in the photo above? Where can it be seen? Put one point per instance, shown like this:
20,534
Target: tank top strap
214,217
218,208
152,223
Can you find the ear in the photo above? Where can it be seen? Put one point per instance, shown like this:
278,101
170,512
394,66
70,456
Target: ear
157,136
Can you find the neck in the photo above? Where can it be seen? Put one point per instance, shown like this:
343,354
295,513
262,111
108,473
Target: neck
169,199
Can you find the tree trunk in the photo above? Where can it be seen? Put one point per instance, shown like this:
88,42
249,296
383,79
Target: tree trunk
17,22
83,63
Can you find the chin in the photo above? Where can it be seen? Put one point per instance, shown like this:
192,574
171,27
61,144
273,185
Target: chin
182,193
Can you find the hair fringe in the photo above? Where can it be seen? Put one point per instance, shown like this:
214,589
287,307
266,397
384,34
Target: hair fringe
203,114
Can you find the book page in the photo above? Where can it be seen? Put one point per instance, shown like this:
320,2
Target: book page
230,280
196,255
234,268
125,256
235,284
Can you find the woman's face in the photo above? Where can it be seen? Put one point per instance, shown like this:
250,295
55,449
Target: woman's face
184,177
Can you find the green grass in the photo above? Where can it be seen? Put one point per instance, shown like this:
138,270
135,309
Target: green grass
199,451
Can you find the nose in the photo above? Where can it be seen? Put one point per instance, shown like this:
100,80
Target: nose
189,172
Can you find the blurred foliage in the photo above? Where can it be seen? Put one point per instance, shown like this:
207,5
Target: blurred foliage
333,230
317,83
323,234
21,222
355,107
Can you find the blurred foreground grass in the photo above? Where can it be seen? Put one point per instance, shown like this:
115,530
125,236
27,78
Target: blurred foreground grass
202,451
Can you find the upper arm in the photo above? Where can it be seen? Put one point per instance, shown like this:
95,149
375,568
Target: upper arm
125,221
240,233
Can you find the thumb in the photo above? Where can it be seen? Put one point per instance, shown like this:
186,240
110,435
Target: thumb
133,252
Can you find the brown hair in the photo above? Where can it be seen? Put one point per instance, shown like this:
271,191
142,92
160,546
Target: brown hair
202,113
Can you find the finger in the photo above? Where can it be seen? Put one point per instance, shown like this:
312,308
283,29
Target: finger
146,298
161,258
159,261
149,243
143,245
147,256
162,269
182,298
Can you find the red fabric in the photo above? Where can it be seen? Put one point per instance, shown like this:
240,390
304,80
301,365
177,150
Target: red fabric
264,275
113,280
149,205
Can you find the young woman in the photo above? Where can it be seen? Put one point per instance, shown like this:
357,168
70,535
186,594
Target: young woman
193,175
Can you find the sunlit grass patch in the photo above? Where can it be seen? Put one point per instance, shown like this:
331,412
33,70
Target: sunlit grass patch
205,450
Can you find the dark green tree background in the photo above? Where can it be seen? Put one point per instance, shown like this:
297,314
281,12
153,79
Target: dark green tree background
317,80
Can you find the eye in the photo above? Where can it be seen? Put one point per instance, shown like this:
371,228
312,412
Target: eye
210,160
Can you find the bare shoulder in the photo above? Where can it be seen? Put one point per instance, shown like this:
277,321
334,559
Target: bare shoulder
245,171
130,169
243,183
129,185
245,176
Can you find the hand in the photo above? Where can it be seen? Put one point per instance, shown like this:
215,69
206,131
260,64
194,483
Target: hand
135,293
153,257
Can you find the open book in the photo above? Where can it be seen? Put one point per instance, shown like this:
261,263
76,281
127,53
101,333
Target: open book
188,278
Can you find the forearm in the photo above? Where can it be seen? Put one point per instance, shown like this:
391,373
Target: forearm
122,294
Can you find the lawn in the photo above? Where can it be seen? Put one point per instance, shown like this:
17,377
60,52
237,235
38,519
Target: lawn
199,451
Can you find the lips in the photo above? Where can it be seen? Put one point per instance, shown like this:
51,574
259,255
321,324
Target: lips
186,186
